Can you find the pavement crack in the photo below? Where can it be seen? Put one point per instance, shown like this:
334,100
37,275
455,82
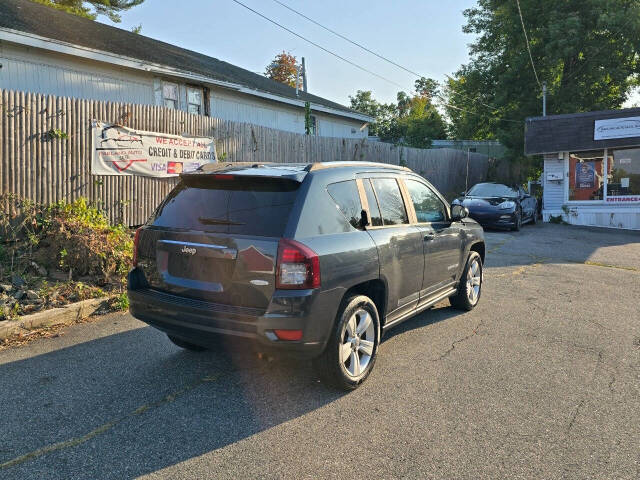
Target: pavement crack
460,340
574,416
106,426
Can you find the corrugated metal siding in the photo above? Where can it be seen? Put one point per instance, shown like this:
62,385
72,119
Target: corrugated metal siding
553,194
34,166
52,74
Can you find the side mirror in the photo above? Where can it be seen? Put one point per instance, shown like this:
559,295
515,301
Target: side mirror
458,212
464,194
364,219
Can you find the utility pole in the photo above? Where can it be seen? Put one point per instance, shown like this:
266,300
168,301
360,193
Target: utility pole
544,99
304,76
298,73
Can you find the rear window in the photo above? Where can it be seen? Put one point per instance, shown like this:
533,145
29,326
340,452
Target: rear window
347,199
235,205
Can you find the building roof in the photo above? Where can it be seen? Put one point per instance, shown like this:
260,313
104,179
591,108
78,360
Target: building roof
573,132
43,21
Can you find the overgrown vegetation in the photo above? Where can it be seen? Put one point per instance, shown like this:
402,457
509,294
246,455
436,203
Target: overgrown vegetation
51,255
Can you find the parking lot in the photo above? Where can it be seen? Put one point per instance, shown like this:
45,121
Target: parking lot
541,380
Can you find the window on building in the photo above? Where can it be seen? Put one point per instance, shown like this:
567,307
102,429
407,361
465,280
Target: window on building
586,176
428,207
313,125
194,100
347,199
390,200
623,174
170,94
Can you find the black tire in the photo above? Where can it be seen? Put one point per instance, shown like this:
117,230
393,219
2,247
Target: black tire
329,366
186,345
518,224
461,299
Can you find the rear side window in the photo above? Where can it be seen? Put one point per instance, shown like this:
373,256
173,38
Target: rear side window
235,205
347,199
390,200
374,209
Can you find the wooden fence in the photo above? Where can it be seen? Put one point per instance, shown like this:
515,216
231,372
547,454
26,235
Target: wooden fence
45,152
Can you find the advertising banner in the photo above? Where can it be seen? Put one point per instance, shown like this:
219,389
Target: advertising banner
586,175
617,128
119,150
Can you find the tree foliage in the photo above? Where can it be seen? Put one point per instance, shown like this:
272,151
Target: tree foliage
92,8
585,50
284,69
413,120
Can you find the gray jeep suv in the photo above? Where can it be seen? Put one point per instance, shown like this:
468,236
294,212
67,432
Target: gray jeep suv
314,259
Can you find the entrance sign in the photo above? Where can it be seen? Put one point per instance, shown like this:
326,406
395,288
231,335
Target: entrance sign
617,128
119,150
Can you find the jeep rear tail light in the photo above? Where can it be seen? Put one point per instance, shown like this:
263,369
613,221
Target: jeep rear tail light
135,247
297,266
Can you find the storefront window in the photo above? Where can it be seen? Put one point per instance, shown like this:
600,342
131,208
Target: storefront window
586,176
624,176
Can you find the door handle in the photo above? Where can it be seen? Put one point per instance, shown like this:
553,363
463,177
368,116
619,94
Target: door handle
428,237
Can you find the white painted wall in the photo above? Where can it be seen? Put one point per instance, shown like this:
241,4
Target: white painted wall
244,108
30,70
33,70
596,214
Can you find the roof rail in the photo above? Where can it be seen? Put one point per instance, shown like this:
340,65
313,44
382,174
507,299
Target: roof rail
322,165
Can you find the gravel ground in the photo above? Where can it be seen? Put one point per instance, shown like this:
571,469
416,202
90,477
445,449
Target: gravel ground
541,380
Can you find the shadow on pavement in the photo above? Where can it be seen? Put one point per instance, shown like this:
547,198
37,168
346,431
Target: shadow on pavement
132,403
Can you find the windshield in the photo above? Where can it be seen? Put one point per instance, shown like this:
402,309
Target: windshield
492,190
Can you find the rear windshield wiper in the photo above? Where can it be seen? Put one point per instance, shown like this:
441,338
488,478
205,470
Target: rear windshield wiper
217,221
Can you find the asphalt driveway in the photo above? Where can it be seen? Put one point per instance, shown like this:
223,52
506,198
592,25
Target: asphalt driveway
542,380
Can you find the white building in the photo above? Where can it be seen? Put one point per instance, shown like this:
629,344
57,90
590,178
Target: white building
591,166
43,50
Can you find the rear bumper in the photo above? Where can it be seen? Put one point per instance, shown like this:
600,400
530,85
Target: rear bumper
203,323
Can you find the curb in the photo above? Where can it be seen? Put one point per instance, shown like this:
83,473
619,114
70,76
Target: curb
55,316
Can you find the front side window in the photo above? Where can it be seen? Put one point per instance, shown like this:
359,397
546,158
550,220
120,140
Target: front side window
347,199
390,200
624,175
586,175
194,100
428,207
170,94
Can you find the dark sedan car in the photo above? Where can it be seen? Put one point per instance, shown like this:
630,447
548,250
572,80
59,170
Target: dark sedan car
499,206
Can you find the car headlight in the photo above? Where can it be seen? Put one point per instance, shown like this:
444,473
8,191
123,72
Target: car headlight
506,205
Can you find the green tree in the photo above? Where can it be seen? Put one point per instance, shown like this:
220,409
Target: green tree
383,113
283,68
92,8
414,121
585,50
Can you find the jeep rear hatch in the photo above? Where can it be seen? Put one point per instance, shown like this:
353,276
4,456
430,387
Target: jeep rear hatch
215,237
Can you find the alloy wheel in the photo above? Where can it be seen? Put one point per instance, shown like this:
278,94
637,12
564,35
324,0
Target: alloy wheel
357,344
474,281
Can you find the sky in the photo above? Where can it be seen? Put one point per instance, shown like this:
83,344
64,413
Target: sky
424,36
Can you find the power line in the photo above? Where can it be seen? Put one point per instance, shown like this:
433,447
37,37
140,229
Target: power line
382,57
442,99
316,45
353,42
526,37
